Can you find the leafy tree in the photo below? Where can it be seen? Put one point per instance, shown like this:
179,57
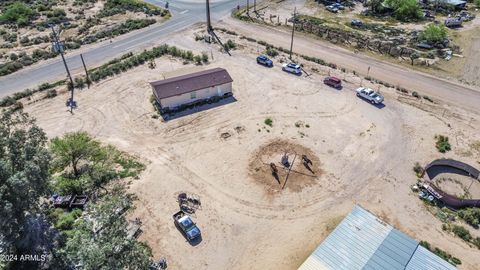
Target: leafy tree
434,33
24,164
83,163
18,13
405,10
100,239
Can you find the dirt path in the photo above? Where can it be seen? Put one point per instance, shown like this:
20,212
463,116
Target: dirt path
425,84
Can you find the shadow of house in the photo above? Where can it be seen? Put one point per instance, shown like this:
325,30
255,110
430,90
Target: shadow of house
190,93
199,106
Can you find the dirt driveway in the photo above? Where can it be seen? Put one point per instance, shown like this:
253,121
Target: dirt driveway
365,154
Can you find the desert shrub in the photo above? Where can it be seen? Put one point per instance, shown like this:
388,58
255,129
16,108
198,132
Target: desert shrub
477,3
197,59
230,44
51,93
418,169
428,98
434,33
471,216
461,232
204,57
13,56
415,94
268,122
271,52
442,144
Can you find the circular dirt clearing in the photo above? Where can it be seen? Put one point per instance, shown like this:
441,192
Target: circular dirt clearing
296,176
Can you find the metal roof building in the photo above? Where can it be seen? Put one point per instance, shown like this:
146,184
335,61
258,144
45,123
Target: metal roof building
363,241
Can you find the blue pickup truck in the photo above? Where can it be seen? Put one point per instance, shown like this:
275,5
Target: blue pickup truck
188,228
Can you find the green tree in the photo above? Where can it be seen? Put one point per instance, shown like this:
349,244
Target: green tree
18,13
100,240
83,163
434,33
24,174
405,10
477,3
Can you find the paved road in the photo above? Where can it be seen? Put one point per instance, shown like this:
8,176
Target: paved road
425,84
185,14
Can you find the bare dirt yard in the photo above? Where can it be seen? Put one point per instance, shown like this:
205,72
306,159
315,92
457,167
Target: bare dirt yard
361,154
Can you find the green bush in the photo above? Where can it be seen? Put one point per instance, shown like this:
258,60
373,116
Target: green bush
418,169
461,232
271,52
268,122
477,3
470,215
230,45
18,13
442,143
204,57
434,33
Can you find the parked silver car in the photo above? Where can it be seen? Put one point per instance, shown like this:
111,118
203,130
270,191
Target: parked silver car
370,95
292,68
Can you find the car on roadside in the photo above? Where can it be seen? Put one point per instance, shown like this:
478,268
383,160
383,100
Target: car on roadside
263,60
333,82
292,68
369,95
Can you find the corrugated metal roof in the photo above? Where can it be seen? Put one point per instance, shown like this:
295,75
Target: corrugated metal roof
362,241
426,260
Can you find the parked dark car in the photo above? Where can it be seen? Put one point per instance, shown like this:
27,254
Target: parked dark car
263,60
333,82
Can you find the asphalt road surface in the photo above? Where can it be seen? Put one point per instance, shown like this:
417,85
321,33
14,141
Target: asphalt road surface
185,14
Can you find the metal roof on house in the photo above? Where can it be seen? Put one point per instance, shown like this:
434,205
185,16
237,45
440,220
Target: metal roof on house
362,241
190,82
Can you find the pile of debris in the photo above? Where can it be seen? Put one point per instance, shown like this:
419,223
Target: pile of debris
69,201
189,203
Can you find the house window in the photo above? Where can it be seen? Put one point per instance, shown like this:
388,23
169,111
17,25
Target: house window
193,95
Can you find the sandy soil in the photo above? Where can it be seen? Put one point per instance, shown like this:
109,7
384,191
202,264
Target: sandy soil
365,155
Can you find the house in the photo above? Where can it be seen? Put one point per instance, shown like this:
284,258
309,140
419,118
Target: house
191,88
457,4
363,241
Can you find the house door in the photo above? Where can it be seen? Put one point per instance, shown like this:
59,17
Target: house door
219,91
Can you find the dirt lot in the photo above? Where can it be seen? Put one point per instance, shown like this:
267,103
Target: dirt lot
361,154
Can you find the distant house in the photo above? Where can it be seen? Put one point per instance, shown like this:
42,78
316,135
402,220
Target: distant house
191,88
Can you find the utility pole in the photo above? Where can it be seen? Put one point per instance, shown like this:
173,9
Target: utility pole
86,71
293,30
209,22
248,7
58,47
255,6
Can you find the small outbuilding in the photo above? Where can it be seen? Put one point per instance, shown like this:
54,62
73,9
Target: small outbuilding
191,88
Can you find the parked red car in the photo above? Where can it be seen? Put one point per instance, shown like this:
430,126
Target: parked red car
333,82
